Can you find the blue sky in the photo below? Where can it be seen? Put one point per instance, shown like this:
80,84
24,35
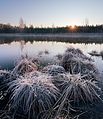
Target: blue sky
48,12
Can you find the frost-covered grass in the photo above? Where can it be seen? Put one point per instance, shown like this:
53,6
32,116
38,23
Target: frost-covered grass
24,65
33,94
53,70
4,78
77,89
49,92
77,52
74,61
4,72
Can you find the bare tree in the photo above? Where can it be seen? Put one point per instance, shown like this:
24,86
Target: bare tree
21,23
86,21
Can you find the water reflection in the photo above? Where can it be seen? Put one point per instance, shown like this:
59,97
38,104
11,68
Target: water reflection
10,51
69,38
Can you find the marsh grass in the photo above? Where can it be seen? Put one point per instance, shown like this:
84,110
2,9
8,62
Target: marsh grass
25,64
53,70
74,61
48,93
4,75
77,52
4,95
33,94
4,79
77,88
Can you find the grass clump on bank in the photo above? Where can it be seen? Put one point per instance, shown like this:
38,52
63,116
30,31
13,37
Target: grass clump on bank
33,95
53,70
4,79
74,62
77,88
24,65
4,75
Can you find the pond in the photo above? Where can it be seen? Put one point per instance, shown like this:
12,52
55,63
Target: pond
11,48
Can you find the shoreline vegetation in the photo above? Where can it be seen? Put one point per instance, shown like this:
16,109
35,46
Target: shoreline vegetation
55,91
23,28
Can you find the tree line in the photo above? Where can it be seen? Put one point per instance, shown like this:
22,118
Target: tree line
7,28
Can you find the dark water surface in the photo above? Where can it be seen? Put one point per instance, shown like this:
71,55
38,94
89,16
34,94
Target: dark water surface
12,48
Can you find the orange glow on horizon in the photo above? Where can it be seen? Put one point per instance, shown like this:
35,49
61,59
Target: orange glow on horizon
73,27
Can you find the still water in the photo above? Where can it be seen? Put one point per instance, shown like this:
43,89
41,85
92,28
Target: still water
11,50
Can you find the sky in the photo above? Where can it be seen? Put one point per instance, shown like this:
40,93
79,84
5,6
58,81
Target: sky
52,12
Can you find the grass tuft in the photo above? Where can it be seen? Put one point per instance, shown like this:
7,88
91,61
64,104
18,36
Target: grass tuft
33,94
53,70
78,88
74,61
24,65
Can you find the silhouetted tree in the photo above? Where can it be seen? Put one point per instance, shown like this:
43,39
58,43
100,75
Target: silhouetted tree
7,28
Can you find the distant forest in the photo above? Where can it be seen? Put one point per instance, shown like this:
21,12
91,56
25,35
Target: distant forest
7,28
